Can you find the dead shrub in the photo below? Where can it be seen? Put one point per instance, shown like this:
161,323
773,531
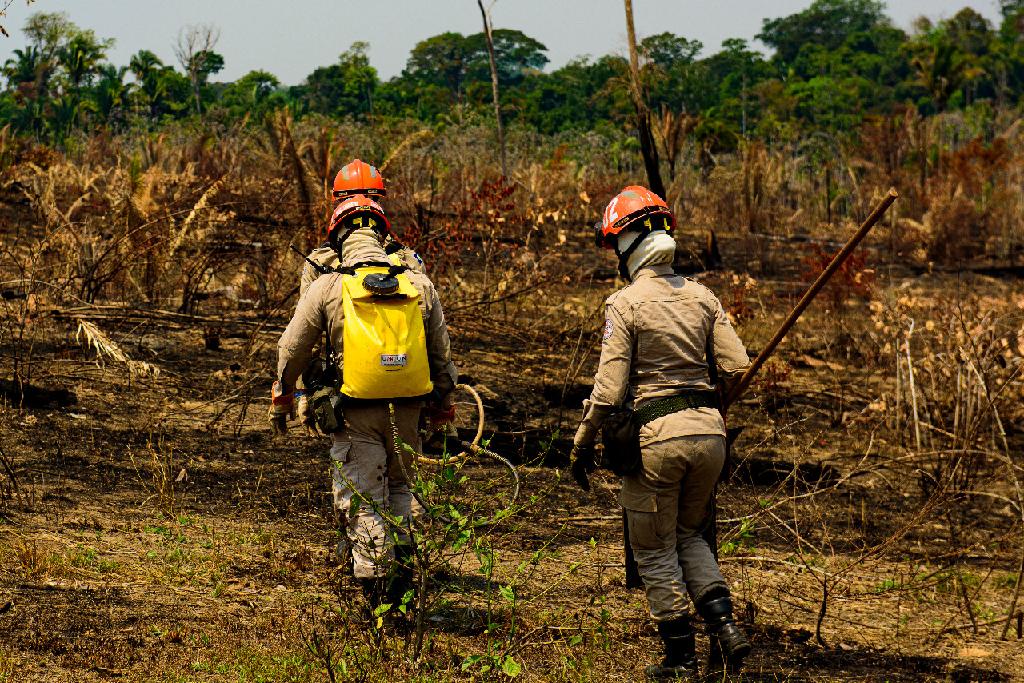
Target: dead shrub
159,473
957,229
33,562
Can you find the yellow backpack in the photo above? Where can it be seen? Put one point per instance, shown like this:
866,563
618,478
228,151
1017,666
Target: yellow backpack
384,344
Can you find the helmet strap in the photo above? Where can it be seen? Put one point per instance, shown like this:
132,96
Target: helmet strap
647,229
377,227
337,242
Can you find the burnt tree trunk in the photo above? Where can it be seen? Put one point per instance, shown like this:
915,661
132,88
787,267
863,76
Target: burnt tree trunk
643,114
494,86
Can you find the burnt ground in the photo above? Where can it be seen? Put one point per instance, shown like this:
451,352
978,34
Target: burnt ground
152,529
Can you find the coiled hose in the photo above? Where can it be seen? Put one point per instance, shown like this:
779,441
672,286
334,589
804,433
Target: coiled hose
469,448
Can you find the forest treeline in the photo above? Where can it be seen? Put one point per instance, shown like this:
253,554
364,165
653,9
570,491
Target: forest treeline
831,66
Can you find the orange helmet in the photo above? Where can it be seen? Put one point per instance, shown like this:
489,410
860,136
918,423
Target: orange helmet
635,208
353,213
358,177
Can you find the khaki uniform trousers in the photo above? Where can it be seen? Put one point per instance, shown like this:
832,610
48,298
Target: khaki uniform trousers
368,480
667,505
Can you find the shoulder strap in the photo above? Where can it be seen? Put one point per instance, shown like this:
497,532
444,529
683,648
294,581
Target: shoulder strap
709,355
318,267
392,268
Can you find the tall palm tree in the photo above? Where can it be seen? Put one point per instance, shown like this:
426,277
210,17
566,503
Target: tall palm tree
80,57
110,91
146,68
26,66
941,67
22,66
27,74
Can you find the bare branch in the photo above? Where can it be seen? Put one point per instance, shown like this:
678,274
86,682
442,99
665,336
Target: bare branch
195,43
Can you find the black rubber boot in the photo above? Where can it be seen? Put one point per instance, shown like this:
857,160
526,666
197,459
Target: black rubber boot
729,646
374,591
680,663
400,581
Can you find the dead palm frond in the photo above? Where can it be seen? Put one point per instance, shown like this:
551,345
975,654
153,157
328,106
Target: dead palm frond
198,208
106,347
411,139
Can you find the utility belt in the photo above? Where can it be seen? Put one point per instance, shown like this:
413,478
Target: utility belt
620,432
652,410
328,405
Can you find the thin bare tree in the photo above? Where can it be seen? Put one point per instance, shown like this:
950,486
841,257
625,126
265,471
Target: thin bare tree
643,115
485,14
3,14
193,50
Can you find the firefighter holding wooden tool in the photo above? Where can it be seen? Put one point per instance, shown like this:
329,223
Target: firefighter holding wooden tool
665,337
387,330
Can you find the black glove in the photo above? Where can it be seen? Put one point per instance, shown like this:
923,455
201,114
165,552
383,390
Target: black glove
581,464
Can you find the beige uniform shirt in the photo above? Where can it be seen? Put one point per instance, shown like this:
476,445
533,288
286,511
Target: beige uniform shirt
656,334
319,309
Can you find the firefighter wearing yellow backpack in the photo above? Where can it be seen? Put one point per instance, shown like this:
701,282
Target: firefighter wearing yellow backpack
387,330
355,178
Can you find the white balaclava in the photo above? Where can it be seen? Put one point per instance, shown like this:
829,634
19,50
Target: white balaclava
658,247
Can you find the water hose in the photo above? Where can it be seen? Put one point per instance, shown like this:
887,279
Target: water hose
472,446
469,448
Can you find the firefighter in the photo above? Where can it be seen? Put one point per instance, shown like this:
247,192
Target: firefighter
659,333
355,178
386,327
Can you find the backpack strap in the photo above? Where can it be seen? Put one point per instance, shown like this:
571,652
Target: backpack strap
392,268
393,247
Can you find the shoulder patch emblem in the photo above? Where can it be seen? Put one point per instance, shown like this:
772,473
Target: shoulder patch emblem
607,330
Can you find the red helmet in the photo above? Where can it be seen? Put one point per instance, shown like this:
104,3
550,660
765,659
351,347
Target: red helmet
357,211
358,177
636,208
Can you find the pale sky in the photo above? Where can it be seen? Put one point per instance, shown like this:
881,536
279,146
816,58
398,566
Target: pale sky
290,39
